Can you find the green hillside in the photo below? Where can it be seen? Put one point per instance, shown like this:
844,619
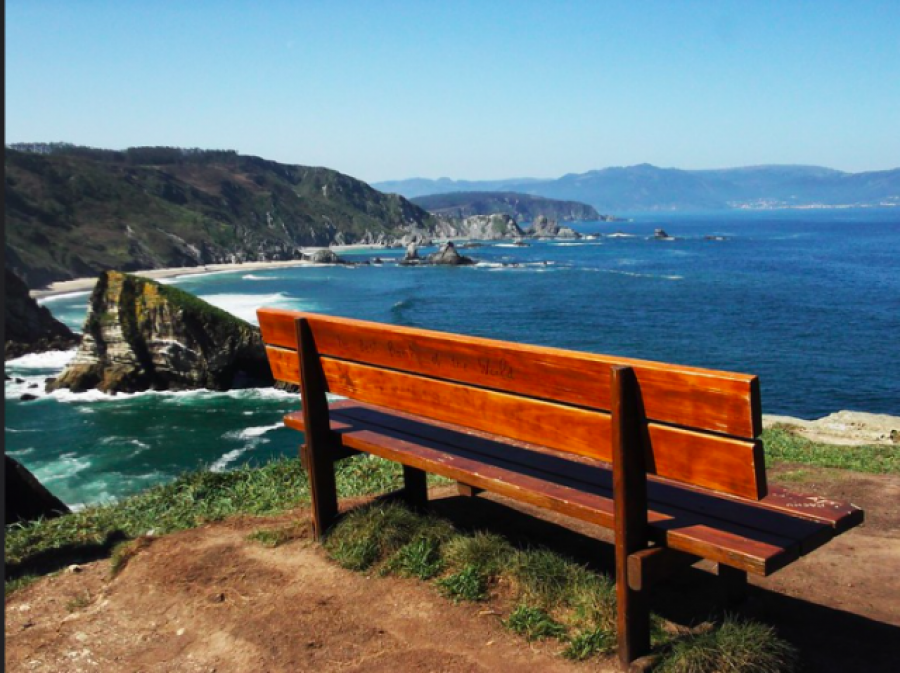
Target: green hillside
73,211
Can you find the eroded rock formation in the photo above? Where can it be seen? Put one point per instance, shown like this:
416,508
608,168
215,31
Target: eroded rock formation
140,335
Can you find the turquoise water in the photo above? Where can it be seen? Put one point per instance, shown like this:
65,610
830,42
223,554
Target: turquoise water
809,301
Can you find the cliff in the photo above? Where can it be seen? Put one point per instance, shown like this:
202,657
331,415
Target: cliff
522,207
73,212
30,328
140,335
494,227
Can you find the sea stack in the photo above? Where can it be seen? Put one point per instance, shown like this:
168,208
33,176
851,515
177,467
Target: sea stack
140,335
449,255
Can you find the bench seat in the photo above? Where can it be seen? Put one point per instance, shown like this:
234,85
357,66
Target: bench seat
758,537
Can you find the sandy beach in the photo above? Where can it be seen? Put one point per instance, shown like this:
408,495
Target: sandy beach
87,284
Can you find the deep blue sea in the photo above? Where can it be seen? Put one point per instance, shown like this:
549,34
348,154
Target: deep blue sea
807,300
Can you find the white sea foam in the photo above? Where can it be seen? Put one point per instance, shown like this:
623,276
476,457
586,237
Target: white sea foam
244,305
250,433
251,276
27,451
57,297
222,463
635,274
620,235
65,467
45,360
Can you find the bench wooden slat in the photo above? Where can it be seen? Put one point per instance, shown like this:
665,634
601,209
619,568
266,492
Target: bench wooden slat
809,529
714,462
710,400
756,551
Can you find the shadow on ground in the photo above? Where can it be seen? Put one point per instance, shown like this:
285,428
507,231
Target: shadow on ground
829,639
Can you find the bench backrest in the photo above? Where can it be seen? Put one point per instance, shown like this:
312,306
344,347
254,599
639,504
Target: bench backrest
699,426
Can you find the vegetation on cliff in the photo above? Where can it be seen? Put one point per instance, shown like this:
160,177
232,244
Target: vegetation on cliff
74,211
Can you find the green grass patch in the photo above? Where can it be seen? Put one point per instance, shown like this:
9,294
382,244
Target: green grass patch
554,597
40,547
589,643
420,558
534,624
468,584
735,645
275,537
374,534
783,445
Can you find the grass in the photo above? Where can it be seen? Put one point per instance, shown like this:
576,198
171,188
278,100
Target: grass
736,645
275,537
40,547
783,445
534,624
552,597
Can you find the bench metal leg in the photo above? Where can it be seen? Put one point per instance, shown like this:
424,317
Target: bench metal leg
732,585
415,487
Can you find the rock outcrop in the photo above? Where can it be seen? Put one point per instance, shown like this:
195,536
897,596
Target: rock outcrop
31,328
140,335
543,227
448,255
324,256
28,499
495,227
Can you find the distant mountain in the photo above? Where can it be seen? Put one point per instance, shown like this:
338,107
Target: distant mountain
522,207
415,187
647,187
75,211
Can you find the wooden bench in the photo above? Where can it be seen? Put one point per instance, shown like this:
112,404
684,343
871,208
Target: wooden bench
666,456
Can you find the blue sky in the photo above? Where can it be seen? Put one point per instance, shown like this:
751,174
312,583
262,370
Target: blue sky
474,90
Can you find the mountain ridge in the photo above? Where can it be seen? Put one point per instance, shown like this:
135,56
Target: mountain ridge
648,187
74,212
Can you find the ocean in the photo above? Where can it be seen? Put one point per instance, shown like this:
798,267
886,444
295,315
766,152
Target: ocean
808,300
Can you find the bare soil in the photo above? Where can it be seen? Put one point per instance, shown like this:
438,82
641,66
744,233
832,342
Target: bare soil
209,600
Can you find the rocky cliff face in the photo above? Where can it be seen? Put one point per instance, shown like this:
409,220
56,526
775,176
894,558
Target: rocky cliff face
481,227
28,499
140,335
543,227
31,328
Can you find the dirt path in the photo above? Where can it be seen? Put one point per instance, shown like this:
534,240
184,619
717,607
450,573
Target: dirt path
210,600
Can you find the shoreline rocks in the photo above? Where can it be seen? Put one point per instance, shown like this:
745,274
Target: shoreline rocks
448,255
849,428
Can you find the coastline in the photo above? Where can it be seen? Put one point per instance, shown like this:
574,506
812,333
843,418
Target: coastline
61,287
